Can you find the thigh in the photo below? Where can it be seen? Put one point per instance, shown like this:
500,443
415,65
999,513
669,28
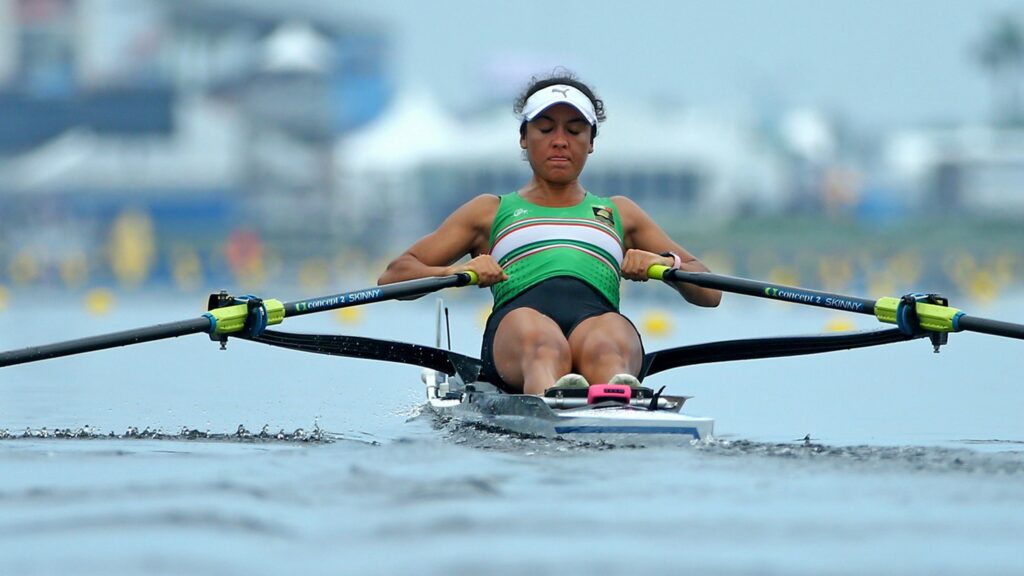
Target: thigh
608,331
519,336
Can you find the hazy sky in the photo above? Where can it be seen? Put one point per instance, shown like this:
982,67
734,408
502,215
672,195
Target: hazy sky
880,63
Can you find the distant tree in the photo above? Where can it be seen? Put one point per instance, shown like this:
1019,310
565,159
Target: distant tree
1001,54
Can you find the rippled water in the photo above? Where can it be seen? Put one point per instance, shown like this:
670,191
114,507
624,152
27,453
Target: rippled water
914,462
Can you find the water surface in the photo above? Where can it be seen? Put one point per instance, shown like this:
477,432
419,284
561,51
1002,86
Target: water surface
914,464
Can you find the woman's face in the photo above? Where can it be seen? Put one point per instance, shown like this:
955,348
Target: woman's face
557,143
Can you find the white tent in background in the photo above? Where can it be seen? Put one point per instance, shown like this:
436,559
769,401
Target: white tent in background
376,166
490,138
412,128
683,162
296,47
736,170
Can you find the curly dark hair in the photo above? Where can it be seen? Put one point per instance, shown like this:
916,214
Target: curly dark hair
558,76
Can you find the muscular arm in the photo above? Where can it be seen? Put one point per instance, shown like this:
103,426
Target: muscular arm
466,231
645,241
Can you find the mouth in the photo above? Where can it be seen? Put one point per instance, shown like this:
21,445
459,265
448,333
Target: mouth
559,159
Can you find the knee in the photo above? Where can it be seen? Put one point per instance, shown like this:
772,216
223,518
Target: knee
601,349
545,347
601,346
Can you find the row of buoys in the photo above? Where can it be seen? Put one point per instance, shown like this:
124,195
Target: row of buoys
133,259
132,252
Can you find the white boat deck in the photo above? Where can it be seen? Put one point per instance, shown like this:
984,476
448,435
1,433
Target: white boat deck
531,415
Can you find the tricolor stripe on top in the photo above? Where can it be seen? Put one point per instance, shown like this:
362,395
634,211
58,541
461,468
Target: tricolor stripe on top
524,233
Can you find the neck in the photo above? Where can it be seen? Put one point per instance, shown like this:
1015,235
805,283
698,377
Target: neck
553,194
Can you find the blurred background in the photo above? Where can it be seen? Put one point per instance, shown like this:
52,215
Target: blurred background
189,145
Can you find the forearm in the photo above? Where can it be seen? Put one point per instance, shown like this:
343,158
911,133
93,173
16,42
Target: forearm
409,267
694,294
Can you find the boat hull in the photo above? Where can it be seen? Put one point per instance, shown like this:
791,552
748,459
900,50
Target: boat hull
531,415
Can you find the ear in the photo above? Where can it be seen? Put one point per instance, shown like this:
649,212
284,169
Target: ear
522,142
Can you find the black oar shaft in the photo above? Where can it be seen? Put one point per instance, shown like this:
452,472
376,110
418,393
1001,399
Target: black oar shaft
366,296
993,327
774,291
103,341
204,324
834,301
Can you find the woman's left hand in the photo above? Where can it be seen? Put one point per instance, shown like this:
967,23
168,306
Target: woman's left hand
636,262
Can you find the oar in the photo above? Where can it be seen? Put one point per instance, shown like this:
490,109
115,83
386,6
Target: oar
930,317
223,321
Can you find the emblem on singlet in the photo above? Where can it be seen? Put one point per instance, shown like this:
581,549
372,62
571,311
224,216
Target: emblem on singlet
604,214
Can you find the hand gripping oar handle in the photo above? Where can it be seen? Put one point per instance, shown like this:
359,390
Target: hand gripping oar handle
929,317
231,319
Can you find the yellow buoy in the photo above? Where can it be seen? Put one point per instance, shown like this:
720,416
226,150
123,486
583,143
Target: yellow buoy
983,287
349,315
482,316
839,324
99,301
24,268
656,323
3,298
132,248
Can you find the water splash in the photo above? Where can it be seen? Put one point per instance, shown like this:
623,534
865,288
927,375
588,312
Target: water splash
242,434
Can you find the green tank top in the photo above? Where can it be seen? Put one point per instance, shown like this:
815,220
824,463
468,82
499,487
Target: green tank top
533,243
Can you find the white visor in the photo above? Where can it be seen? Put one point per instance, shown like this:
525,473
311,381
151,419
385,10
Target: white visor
545,98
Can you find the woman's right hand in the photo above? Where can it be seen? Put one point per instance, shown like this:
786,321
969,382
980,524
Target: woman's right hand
486,268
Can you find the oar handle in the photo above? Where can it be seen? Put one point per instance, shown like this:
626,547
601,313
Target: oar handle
657,271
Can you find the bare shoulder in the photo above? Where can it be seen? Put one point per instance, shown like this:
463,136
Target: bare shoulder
471,223
624,203
631,213
480,210
484,202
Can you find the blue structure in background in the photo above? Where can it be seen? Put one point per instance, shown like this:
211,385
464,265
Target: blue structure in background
360,86
28,120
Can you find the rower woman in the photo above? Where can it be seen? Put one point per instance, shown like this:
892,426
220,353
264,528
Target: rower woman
553,254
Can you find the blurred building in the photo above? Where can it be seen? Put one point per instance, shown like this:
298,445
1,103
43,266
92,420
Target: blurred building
694,168
204,114
223,127
964,171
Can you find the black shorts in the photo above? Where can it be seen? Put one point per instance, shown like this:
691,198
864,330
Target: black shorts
566,300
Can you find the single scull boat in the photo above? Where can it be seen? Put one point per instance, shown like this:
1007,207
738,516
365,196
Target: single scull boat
647,415
454,385
611,413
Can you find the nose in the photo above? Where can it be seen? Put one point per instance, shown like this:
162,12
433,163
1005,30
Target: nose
560,140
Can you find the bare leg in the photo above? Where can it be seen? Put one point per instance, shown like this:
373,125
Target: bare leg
606,345
530,351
